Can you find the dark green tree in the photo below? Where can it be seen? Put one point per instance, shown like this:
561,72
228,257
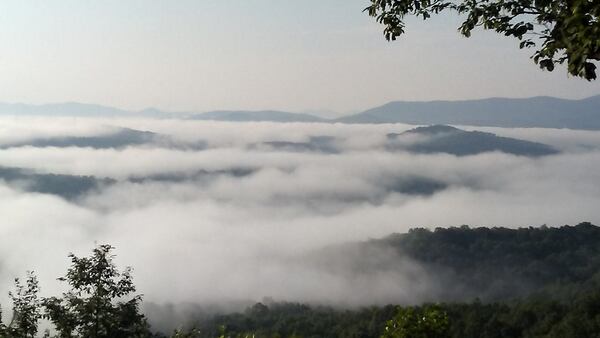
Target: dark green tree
184,334
425,322
559,30
26,309
101,302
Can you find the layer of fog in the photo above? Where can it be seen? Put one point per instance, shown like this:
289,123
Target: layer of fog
232,238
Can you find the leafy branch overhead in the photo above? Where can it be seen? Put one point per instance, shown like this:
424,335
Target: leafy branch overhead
560,31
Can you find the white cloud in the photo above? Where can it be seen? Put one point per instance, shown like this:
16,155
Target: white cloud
226,237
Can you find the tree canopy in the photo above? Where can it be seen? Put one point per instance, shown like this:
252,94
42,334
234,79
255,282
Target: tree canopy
427,322
26,309
560,31
96,305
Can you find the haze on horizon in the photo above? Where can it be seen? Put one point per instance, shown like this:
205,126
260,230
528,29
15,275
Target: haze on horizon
313,56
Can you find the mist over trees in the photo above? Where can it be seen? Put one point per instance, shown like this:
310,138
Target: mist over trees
435,139
497,264
277,224
283,211
563,301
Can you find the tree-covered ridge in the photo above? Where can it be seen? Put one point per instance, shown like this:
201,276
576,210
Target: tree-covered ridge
69,187
499,282
451,140
299,320
531,317
501,263
116,139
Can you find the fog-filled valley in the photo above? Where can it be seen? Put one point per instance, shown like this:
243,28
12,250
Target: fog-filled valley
298,169
225,214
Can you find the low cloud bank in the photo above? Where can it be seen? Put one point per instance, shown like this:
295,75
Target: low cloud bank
197,232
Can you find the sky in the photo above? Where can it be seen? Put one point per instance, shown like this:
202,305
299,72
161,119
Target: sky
304,56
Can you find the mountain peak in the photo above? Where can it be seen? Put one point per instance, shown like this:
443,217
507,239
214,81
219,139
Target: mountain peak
451,140
534,112
256,116
434,130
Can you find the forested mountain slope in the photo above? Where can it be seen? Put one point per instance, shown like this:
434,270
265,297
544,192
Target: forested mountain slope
527,282
451,140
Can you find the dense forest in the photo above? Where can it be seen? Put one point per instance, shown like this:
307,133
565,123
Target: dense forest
528,282
496,264
500,282
531,317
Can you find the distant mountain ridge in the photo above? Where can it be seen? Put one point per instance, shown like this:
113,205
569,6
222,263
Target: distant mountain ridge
62,109
541,111
256,116
116,139
119,138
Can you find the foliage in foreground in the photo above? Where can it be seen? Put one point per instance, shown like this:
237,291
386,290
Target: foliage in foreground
560,30
101,303
95,306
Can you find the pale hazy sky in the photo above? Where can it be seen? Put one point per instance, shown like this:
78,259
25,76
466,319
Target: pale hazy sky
251,54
